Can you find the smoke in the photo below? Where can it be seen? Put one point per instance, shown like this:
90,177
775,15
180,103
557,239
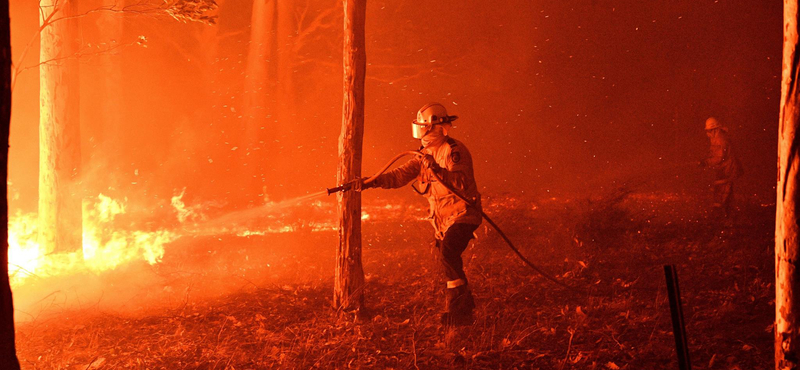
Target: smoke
554,97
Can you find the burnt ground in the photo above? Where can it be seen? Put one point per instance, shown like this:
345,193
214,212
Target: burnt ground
277,312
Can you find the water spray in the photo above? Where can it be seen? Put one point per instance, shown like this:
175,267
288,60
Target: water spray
349,185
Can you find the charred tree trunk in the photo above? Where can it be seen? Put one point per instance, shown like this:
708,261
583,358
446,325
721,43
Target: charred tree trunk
60,224
349,279
8,352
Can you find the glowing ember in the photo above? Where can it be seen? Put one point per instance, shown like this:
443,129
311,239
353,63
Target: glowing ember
104,247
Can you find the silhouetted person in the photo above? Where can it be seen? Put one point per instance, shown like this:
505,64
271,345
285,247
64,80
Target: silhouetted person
726,166
454,220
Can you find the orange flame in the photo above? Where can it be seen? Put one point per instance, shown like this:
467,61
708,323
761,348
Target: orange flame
104,247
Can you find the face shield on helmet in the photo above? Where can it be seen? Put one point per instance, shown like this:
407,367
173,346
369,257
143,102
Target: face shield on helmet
418,130
429,115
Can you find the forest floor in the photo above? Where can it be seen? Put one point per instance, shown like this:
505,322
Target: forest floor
277,311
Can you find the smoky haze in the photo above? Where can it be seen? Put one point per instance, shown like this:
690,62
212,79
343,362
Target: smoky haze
554,97
206,150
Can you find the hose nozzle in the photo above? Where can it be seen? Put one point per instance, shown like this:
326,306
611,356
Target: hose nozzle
344,187
338,189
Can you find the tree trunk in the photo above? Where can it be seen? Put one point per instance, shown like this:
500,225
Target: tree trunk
60,225
111,28
257,71
349,278
8,352
280,142
787,310
109,135
257,114
286,32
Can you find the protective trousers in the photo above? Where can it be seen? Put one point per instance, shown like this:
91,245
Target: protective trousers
458,296
723,197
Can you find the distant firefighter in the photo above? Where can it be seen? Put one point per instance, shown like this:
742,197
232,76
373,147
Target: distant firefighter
726,166
454,220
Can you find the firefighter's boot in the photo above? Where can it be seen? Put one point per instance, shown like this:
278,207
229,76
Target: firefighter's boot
459,304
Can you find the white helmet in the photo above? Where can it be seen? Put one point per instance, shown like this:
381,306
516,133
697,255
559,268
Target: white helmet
430,114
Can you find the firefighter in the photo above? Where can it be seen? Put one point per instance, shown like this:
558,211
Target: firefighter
454,220
726,166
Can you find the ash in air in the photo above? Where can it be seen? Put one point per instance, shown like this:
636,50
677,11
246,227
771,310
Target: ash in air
208,184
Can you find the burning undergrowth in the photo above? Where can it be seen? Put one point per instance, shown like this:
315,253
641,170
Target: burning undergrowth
277,311
107,244
112,237
134,259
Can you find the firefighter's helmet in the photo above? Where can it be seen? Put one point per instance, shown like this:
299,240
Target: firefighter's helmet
429,115
713,124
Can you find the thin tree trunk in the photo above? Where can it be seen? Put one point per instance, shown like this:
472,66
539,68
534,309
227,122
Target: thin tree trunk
257,71
110,26
60,225
8,352
280,126
109,135
257,115
349,277
286,35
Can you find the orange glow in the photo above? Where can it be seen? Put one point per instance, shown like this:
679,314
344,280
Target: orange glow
104,247
183,150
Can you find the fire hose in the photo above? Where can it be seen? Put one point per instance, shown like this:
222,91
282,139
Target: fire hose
349,185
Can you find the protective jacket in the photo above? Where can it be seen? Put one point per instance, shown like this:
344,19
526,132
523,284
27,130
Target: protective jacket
446,208
723,160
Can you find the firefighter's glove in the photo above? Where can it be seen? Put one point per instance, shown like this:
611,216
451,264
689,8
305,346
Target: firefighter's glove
429,162
359,184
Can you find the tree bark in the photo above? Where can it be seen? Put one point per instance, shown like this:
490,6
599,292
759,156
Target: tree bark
349,277
786,225
8,352
60,224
